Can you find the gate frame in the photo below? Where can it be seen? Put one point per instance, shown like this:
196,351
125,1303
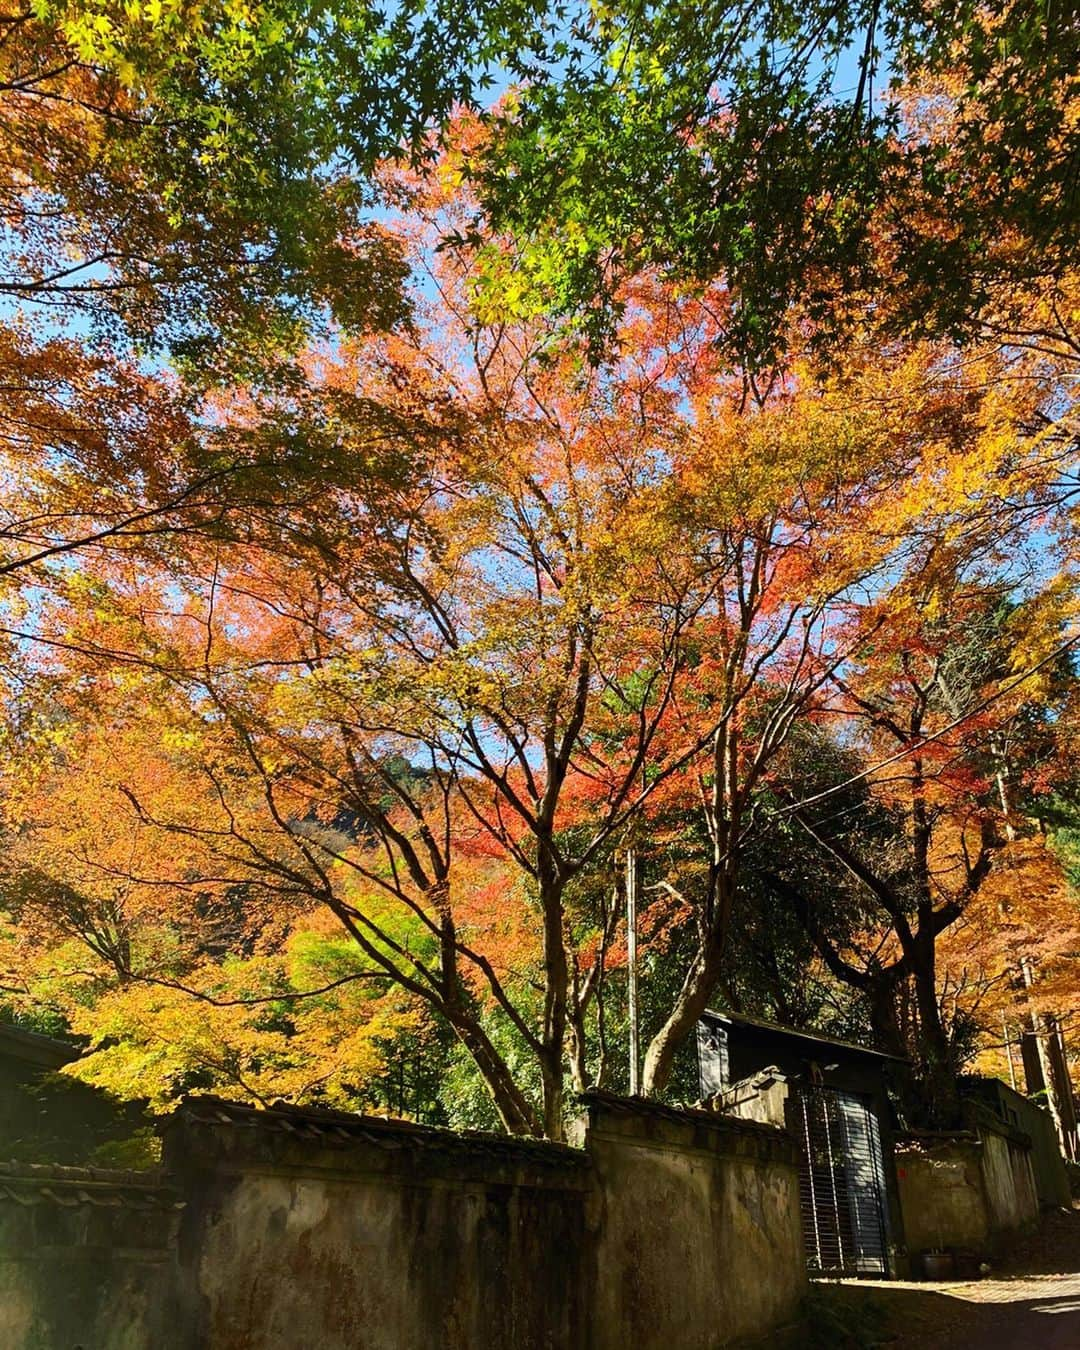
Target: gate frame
842,1154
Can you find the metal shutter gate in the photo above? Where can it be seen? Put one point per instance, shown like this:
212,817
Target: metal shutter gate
841,1183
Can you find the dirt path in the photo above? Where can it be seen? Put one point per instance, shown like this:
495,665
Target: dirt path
1032,1302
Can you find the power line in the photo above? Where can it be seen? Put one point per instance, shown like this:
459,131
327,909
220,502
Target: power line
936,735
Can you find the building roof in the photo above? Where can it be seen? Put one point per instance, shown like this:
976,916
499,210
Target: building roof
814,1037
50,1183
31,1046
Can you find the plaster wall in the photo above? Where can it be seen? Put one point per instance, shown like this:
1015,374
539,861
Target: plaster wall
763,1098
942,1196
87,1259
1013,1108
966,1191
287,1229
1011,1197
306,1243
699,1241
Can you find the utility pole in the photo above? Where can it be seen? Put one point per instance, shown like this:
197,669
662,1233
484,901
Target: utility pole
1008,1050
1046,1069
631,964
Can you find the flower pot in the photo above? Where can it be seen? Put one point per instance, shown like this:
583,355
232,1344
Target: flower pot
938,1265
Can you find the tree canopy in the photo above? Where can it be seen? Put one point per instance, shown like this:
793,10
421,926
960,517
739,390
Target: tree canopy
444,451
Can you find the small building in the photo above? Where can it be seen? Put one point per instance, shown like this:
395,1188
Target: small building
47,1116
27,1062
26,1055
833,1098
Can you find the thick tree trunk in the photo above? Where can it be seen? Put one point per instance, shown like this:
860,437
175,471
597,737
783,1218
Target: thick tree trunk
1046,1075
697,989
884,989
937,1069
1063,1091
554,1097
515,1110
880,990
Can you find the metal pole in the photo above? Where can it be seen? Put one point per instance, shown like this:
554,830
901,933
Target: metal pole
631,962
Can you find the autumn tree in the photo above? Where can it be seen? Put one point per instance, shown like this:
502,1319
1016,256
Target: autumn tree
175,190
474,606
458,611
547,593
918,838
920,157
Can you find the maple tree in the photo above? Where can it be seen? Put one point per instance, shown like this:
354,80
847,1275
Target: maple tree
126,242
922,843
216,160
525,602
339,672
803,154
178,215
200,180
396,646
170,171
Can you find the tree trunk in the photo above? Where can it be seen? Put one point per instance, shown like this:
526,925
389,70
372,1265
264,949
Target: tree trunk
884,989
1046,1071
1042,1078
514,1108
556,988
575,1051
551,1067
881,987
937,1075
1063,1090
697,989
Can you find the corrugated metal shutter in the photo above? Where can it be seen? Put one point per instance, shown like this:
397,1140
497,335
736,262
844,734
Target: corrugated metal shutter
841,1183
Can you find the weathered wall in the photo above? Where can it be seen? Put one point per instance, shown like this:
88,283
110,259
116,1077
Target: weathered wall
1011,1199
87,1259
698,1231
672,1230
762,1097
1013,1108
287,1229
307,1229
968,1190
941,1193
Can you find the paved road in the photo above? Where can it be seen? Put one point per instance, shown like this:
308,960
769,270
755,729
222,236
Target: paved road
1031,1301
1020,1313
